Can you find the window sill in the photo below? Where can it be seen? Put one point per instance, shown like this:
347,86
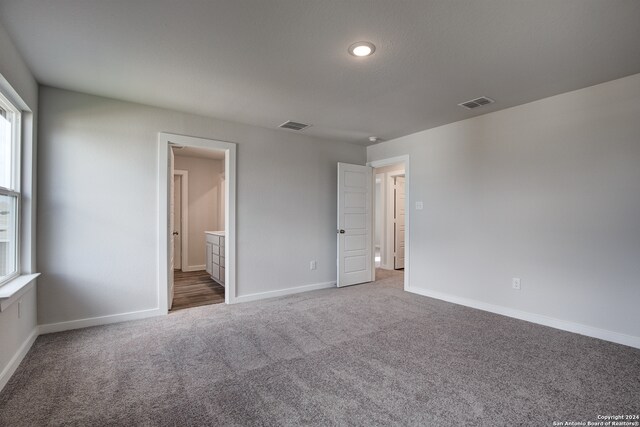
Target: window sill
12,291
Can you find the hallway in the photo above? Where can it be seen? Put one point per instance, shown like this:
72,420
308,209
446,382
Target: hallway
195,288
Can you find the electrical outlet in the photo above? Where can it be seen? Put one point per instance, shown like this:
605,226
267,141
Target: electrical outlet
515,283
419,206
313,265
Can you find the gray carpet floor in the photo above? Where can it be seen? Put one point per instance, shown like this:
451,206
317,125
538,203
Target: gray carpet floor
364,355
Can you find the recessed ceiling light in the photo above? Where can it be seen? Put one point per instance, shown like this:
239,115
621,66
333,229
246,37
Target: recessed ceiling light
362,49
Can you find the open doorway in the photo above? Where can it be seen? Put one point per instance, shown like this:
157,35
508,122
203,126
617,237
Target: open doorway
197,222
391,230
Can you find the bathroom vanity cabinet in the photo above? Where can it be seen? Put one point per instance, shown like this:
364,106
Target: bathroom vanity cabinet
215,255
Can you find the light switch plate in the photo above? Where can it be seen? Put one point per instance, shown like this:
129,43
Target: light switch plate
419,206
515,283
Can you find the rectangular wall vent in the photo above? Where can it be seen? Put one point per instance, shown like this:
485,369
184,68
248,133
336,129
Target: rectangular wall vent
475,103
293,125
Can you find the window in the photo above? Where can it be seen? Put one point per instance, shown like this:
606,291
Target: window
9,189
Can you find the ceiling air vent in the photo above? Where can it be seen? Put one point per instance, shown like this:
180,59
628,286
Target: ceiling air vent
293,125
475,103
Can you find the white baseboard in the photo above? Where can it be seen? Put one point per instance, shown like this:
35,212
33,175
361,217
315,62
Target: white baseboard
565,325
283,292
13,364
194,268
96,321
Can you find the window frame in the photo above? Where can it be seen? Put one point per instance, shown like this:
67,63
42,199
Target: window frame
15,181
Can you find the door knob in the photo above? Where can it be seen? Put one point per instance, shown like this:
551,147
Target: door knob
341,231
175,233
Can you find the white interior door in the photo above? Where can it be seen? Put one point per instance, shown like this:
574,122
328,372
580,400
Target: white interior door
177,222
355,224
171,227
398,223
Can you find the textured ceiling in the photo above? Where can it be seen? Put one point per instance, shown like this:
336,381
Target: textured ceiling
263,62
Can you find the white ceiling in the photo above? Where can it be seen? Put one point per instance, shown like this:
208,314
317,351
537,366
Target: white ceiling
202,153
264,62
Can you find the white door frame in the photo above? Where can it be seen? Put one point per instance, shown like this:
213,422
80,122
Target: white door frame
407,215
184,217
164,241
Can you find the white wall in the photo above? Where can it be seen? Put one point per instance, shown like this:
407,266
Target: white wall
17,332
548,192
204,203
15,71
97,212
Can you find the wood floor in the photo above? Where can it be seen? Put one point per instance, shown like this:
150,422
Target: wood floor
195,288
